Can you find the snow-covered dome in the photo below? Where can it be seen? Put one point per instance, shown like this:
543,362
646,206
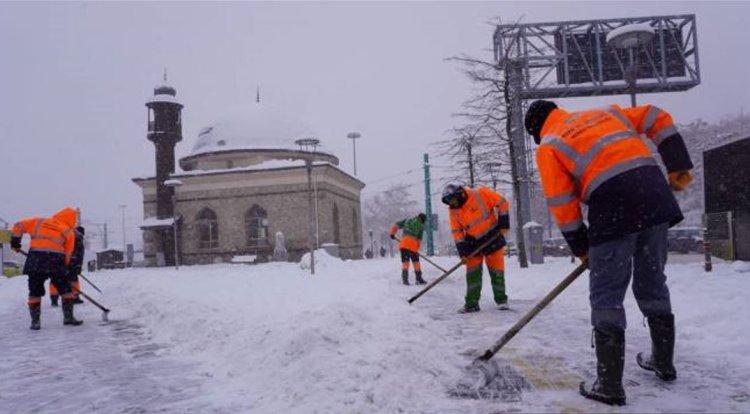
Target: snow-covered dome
257,126
252,135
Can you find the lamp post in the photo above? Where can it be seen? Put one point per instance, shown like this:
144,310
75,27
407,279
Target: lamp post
173,184
354,136
124,240
309,145
631,37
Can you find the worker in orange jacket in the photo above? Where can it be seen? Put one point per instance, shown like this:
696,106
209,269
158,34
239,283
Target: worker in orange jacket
50,251
411,239
479,216
599,158
74,269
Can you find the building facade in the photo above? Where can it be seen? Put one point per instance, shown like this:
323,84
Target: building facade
244,181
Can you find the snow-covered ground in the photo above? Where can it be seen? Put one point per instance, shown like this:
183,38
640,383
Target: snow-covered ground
273,339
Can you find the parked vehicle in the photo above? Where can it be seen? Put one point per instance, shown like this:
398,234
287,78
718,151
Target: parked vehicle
685,240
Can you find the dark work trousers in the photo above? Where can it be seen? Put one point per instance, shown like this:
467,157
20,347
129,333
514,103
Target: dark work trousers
36,284
407,255
642,255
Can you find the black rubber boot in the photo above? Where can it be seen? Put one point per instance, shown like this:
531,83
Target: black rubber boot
661,360
469,309
68,318
405,277
610,358
420,281
35,309
53,300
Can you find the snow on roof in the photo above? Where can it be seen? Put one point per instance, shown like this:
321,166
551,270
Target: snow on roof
153,222
249,127
162,98
266,165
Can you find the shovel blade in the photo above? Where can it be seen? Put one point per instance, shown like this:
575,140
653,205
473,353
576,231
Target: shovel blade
490,380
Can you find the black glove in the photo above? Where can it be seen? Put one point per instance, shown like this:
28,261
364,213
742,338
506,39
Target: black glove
15,243
464,250
393,236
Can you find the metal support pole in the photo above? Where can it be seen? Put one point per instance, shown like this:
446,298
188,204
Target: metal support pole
707,266
523,197
354,136
174,229
428,206
308,164
124,242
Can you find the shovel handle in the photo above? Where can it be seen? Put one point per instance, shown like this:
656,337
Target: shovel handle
424,257
488,354
453,269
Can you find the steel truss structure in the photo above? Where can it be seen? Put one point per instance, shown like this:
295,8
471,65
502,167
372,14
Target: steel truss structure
572,58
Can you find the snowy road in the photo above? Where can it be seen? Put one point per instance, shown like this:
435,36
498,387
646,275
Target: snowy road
272,339
108,368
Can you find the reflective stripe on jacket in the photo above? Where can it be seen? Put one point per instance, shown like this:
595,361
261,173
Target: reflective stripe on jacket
478,215
47,235
581,152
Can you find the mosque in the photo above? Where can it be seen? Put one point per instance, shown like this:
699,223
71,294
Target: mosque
250,175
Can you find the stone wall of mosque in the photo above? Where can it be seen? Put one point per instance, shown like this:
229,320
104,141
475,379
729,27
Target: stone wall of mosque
237,210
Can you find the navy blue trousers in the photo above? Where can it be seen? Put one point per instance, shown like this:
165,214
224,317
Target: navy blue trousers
641,256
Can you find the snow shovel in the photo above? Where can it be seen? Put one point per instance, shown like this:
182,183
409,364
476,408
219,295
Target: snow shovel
453,269
90,283
491,370
105,311
425,258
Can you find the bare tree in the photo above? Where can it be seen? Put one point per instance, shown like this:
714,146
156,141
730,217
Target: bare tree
487,113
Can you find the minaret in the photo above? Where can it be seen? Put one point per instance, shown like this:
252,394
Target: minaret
165,131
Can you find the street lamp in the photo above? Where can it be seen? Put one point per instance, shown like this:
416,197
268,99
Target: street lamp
631,37
122,210
173,184
354,136
309,145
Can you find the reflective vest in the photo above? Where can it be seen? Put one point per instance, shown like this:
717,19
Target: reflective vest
47,235
580,151
411,238
478,215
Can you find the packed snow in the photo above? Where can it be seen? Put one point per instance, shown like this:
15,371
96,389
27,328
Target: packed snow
272,338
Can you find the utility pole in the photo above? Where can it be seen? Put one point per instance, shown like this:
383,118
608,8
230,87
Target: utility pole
428,206
106,245
124,240
518,141
354,136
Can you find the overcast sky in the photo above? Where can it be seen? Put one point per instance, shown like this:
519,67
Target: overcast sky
74,78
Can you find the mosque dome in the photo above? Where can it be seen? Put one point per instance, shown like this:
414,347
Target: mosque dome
248,136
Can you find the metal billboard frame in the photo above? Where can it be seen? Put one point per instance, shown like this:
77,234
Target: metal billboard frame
534,46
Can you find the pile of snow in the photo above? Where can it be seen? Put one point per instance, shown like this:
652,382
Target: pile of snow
322,260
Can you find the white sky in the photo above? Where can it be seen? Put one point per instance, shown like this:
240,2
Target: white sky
74,78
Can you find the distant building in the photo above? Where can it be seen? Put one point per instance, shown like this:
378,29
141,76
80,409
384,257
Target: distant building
727,192
244,181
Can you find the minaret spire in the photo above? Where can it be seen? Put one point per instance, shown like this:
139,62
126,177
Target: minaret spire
165,74
257,94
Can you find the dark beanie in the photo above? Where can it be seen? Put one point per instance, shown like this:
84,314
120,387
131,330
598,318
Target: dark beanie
535,117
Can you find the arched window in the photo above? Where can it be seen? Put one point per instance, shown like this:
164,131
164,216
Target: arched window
355,227
336,226
256,223
208,229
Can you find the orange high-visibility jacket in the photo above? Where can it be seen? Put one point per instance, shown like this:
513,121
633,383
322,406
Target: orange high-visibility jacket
55,235
478,215
582,150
